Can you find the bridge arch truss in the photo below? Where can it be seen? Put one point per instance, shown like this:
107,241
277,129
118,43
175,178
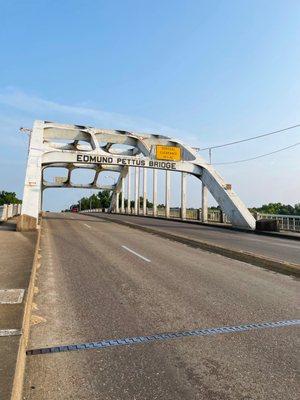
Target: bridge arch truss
73,147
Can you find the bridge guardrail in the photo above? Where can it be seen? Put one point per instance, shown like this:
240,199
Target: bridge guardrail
8,211
192,214
286,222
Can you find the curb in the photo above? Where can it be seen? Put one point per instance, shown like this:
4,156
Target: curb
17,388
250,258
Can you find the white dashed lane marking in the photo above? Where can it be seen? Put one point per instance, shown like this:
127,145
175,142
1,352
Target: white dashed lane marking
10,332
137,254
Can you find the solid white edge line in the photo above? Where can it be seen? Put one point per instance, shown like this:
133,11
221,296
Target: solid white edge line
18,300
10,332
137,254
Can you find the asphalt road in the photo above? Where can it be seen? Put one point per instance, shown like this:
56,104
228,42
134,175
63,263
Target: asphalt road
91,286
272,247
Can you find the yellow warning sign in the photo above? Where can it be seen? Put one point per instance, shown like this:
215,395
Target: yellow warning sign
170,153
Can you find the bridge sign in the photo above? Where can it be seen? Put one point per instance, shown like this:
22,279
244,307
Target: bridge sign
169,153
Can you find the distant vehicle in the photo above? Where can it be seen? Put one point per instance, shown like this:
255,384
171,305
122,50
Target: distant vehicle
74,209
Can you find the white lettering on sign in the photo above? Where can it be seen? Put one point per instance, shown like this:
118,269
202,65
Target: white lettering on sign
135,162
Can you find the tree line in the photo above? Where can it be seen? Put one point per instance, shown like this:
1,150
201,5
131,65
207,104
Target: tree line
102,200
277,208
8,198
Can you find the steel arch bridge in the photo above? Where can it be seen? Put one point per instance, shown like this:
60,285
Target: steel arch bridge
75,146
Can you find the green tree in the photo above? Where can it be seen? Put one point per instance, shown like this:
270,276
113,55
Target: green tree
94,201
297,209
84,203
8,198
125,201
99,200
148,203
104,198
278,208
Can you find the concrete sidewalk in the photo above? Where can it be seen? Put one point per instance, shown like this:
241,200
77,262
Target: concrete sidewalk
16,258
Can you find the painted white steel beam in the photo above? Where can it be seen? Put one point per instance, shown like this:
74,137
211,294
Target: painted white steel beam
117,201
136,190
129,191
183,195
144,191
154,195
168,194
204,213
123,195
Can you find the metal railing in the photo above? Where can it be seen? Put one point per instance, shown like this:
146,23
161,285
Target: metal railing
191,214
8,211
175,213
286,222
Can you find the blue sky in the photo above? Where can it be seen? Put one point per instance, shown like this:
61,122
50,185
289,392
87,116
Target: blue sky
206,72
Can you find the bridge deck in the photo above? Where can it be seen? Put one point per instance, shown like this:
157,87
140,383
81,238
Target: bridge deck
99,280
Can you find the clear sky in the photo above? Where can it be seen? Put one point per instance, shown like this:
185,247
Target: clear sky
206,72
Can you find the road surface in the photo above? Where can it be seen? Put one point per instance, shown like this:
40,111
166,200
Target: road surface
272,247
99,280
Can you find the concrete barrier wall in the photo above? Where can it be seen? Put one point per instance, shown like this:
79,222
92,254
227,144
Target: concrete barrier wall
8,211
286,222
3,213
191,214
